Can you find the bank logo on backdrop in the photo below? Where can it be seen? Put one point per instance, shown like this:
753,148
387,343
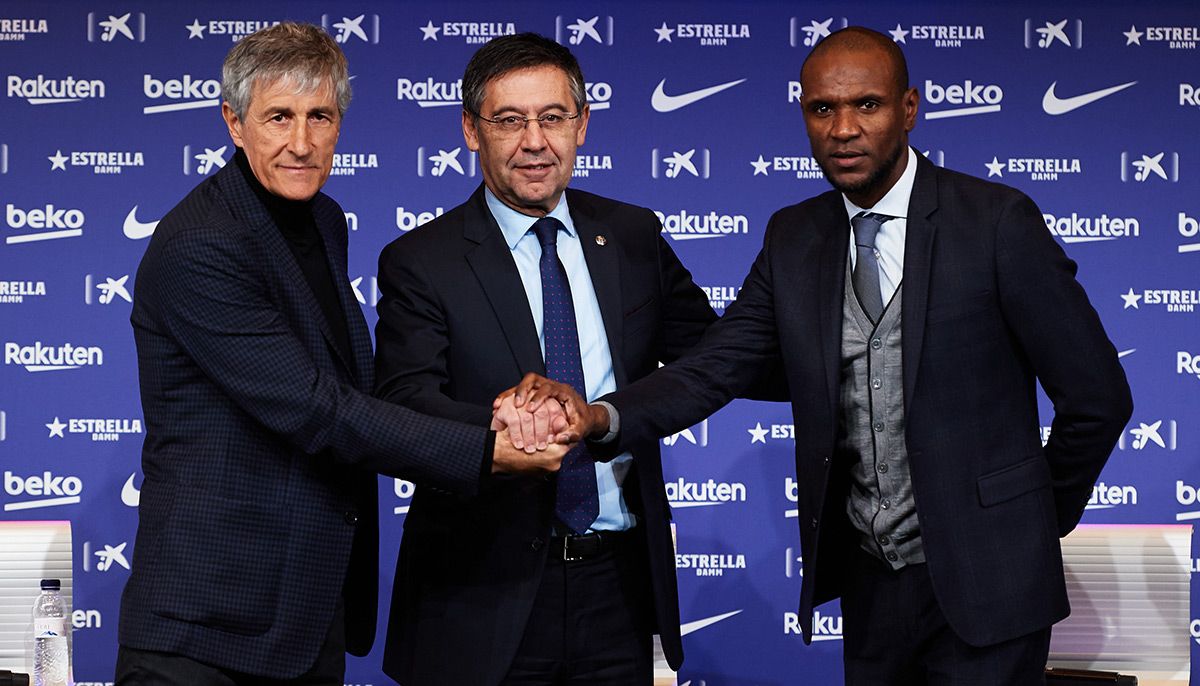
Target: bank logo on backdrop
941,35
96,162
41,357
1107,497
720,297
1163,433
185,93
587,165
1188,229
14,29
696,435
407,220
42,223
404,491
1074,228
1172,299
1053,104
106,557
445,162
804,167
203,160
1043,34
598,29
232,29
695,162
702,34
353,29
793,563
109,28
687,226
662,102
682,493
1140,167
825,627
107,291
807,32
41,490
962,100
469,32
1035,168
350,163
366,291
39,90
15,292
429,92
3,158
710,564
1174,37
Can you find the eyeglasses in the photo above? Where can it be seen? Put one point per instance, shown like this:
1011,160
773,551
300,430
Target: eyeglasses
551,122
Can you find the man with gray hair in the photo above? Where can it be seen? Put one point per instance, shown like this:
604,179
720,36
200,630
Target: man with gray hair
257,554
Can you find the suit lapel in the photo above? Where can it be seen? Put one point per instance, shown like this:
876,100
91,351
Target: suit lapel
833,252
492,262
331,224
604,266
918,250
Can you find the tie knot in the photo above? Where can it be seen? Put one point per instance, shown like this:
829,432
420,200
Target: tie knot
866,226
546,229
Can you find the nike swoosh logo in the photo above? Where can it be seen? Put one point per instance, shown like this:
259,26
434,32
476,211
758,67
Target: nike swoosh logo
1052,104
135,229
130,495
685,629
661,102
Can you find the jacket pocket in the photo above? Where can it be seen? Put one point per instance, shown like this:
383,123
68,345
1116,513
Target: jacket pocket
1014,480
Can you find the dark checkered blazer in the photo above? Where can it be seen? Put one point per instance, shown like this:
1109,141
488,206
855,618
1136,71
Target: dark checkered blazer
258,506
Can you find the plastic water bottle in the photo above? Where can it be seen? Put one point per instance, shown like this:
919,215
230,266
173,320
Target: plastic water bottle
51,652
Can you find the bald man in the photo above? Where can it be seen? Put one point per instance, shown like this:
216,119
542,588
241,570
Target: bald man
914,310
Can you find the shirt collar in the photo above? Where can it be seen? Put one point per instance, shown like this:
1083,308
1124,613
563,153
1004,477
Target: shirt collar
514,225
895,202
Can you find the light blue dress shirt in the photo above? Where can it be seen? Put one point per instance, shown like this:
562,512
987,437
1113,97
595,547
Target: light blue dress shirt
593,341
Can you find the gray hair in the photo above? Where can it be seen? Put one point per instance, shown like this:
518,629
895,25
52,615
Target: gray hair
511,53
303,55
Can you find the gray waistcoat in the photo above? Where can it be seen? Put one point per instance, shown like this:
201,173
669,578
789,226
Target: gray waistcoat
871,433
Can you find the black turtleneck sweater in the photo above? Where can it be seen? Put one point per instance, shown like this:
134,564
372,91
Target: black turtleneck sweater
295,222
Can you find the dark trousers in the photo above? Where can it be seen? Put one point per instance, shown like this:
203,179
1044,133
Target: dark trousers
896,635
590,624
150,668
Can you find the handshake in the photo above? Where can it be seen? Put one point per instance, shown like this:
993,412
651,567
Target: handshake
538,421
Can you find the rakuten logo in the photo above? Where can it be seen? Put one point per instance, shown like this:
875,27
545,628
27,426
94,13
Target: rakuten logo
967,99
43,358
47,489
194,92
824,627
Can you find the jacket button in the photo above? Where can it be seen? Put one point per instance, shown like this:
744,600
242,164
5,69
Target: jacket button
814,522
826,460
536,543
352,518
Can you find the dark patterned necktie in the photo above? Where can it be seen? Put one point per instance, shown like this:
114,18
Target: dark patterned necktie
576,504
866,267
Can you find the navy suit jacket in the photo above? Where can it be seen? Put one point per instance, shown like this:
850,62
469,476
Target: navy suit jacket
455,330
991,307
259,499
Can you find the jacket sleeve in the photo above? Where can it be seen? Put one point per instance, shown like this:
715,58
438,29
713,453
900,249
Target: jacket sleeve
1065,343
209,299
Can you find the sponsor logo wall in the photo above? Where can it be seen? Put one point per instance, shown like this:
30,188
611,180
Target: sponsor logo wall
112,116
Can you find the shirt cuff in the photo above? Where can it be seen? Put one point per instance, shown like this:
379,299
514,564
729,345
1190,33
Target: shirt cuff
614,423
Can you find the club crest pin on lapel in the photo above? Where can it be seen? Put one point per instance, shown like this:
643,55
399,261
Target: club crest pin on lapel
601,241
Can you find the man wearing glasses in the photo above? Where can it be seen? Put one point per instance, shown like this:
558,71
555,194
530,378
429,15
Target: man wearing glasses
535,581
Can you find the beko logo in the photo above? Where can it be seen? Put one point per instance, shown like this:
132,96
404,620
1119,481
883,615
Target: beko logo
966,99
48,489
193,92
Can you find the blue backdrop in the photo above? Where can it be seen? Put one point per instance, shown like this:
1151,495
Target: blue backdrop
111,114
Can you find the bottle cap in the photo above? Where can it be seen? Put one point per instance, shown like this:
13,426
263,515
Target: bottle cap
51,585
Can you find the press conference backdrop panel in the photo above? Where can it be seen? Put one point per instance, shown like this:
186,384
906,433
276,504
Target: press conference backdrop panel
111,114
